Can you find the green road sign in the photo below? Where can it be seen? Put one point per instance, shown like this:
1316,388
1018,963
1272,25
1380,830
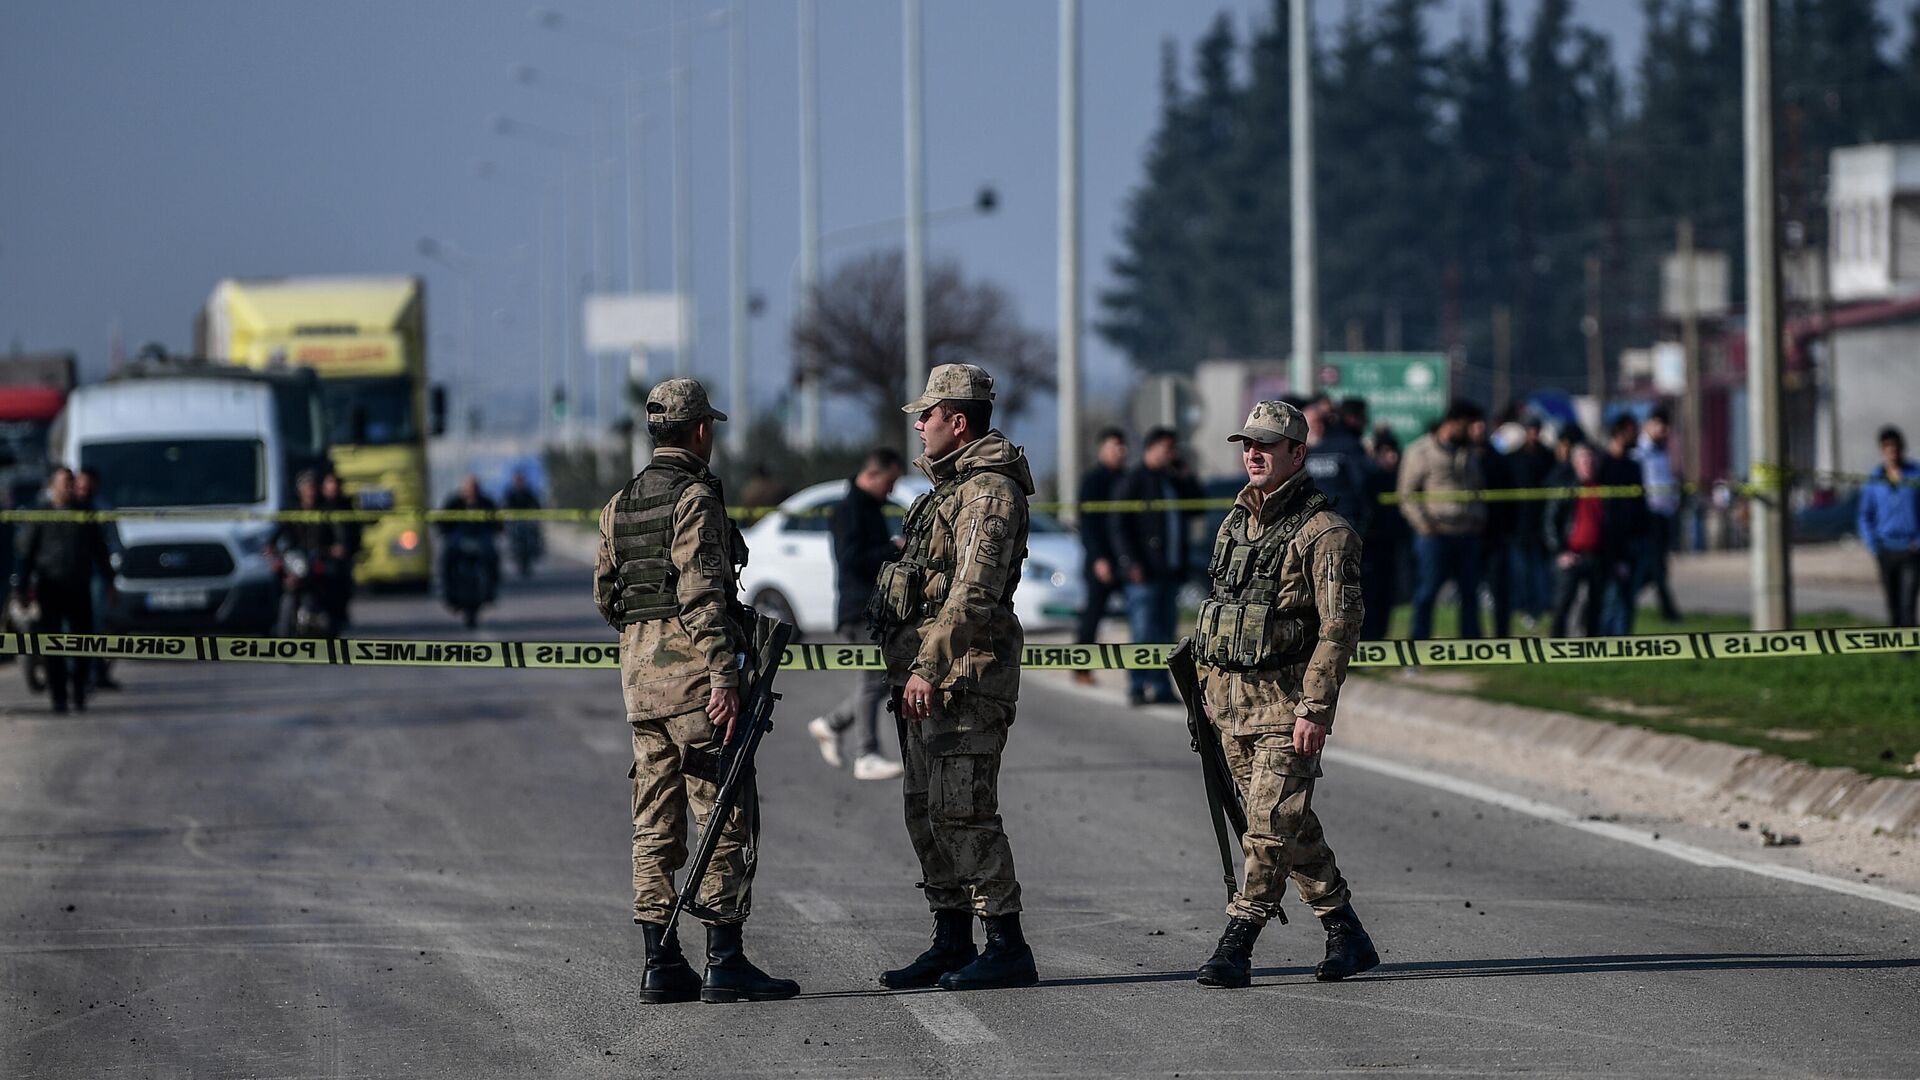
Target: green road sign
1405,391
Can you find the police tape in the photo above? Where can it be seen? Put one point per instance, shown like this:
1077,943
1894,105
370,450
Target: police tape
581,655
591,515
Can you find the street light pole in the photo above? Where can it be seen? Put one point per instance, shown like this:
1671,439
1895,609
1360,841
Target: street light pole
1068,469
737,228
916,270
1772,602
809,215
682,198
1306,284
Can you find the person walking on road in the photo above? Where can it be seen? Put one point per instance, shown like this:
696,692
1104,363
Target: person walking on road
55,565
943,611
334,497
1096,537
1153,549
668,579
87,496
1283,560
1576,534
1440,487
1889,525
862,543
1665,495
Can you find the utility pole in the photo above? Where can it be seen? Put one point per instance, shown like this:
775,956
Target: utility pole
1502,356
1068,468
1596,345
737,228
916,375
1306,283
1772,602
682,198
1690,345
809,216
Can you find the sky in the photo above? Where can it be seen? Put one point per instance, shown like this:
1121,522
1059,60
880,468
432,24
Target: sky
148,150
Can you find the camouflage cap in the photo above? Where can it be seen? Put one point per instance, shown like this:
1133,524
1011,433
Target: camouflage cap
681,399
1271,421
952,382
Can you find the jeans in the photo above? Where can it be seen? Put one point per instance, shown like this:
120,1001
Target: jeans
1900,577
1150,618
1532,579
862,706
1588,574
1652,565
1622,590
1499,574
1437,560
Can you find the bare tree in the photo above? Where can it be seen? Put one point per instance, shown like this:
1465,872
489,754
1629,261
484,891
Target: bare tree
857,335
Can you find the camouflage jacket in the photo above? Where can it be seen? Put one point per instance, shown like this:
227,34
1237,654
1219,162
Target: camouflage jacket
1321,569
972,641
668,666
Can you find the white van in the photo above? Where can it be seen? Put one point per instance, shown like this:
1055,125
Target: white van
184,444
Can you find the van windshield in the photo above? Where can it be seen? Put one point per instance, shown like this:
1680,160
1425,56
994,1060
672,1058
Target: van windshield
156,473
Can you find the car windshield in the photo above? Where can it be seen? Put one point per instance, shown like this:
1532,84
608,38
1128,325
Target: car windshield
370,412
179,472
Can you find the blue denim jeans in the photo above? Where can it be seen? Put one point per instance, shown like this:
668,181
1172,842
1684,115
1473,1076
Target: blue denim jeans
1532,579
1437,560
1150,618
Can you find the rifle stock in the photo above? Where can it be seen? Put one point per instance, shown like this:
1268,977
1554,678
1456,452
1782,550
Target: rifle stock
770,640
1224,811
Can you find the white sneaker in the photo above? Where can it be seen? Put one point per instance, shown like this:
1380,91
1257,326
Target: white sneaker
828,739
875,767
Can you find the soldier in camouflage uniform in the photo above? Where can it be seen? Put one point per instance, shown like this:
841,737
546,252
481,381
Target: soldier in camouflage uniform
943,614
1272,645
667,578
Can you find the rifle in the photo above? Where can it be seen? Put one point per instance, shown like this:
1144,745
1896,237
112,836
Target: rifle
770,639
1223,799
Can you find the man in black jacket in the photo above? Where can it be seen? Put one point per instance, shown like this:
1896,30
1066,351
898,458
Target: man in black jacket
862,540
1155,552
1096,537
1528,465
1626,521
56,563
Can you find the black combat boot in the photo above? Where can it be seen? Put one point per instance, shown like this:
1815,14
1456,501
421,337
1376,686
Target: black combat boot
668,978
1005,962
1231,964
952,949
732,977
1349,949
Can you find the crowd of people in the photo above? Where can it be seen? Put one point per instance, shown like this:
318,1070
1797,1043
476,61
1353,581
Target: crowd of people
1431,514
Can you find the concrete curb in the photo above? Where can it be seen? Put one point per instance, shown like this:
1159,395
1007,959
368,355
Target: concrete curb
1889,804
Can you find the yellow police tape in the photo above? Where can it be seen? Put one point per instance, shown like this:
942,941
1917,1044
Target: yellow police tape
1770,479
573,655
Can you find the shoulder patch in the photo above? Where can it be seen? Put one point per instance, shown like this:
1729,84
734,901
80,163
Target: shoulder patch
995,528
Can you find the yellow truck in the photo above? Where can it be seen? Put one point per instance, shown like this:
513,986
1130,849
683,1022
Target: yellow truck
365,337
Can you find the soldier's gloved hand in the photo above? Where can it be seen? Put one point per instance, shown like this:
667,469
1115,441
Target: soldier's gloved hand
723,708
1309,737
917,698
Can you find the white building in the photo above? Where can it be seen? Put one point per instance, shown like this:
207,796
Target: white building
1874,234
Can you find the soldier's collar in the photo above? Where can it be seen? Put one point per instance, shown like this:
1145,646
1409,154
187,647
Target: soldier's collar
1266,509
679,457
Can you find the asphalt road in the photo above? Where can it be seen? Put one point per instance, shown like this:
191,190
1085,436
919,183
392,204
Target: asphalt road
280,872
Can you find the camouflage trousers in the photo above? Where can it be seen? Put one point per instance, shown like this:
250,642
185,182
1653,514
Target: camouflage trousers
1283,834
952,788
676,765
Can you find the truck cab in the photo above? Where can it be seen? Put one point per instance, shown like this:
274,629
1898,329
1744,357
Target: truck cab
197,447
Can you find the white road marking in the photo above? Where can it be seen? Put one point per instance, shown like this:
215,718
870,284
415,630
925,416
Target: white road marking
1686,853
943,1017
817,909
948,1020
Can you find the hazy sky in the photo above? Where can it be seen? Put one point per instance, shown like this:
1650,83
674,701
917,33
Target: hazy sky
147,150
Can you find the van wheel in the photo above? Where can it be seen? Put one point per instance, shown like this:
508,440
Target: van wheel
775,605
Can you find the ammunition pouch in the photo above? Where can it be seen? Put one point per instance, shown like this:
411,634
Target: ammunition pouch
1252,635
899,595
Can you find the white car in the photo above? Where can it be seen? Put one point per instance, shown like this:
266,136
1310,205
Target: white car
790,573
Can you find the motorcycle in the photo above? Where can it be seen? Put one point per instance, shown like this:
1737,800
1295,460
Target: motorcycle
528,545
305,578
470,576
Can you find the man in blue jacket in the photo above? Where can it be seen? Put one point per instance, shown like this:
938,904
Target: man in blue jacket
1890,524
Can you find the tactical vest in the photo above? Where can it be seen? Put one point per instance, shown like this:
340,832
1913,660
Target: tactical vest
643,542
1242,627
900,591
